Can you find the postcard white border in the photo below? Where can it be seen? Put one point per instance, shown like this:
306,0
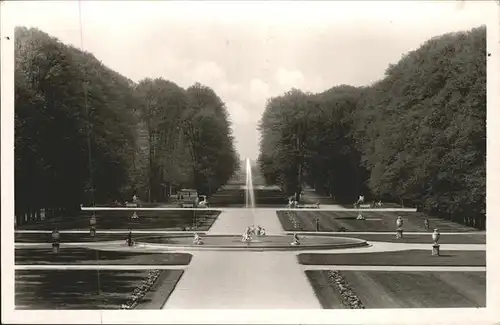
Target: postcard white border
387,316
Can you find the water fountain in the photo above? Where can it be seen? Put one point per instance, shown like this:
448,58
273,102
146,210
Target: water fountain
249,201
249,191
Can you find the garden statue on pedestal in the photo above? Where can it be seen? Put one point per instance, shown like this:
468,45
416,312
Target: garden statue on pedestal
56,240
295,240
360,201
435,238
130,242
134,216
93,222
197,240
399,228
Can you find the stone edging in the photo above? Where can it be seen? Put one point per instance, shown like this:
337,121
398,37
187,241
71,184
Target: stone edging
141,290
347,294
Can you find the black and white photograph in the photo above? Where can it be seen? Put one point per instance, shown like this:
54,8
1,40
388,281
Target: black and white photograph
167,157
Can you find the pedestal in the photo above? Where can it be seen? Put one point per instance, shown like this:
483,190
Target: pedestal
435,250
92,232
55,247
399,234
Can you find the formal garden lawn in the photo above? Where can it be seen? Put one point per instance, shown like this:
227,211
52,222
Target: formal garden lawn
80,237
85,256
397,258
374,221
389,289
78,289
414,238
157,219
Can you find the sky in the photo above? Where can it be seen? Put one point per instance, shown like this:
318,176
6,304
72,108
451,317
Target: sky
249,51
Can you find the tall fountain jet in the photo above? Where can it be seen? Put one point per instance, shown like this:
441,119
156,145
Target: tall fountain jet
249,192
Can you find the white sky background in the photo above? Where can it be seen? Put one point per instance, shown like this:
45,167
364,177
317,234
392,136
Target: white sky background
249,51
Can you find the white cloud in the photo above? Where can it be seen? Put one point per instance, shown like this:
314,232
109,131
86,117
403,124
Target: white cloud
207,73
259,88
288,79
239,115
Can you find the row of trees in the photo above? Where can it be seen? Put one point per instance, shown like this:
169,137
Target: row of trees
417,135
86,134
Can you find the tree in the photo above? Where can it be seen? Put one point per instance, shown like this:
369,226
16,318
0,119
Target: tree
72,137
207,132
422,128
417,135
163,104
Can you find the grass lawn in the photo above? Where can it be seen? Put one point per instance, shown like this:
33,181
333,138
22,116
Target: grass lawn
67,238
79,237
418,239
419,289
62,289
162,220
74,255
378,289
328,296
375,221
398,258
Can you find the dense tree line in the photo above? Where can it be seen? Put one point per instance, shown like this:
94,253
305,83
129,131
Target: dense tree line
417,136
85,134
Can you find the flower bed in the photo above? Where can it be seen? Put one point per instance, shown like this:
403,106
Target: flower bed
348,296
141,290
293,220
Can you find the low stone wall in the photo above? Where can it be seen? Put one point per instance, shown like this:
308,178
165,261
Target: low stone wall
142,290
347,294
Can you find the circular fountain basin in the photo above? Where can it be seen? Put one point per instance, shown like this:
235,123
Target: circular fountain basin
263,243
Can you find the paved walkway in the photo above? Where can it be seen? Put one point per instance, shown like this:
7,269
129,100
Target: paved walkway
243,280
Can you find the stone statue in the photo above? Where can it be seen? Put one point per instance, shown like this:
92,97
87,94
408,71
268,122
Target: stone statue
435,236
295,240
399,222
247,235
197,240
130,242
360,216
